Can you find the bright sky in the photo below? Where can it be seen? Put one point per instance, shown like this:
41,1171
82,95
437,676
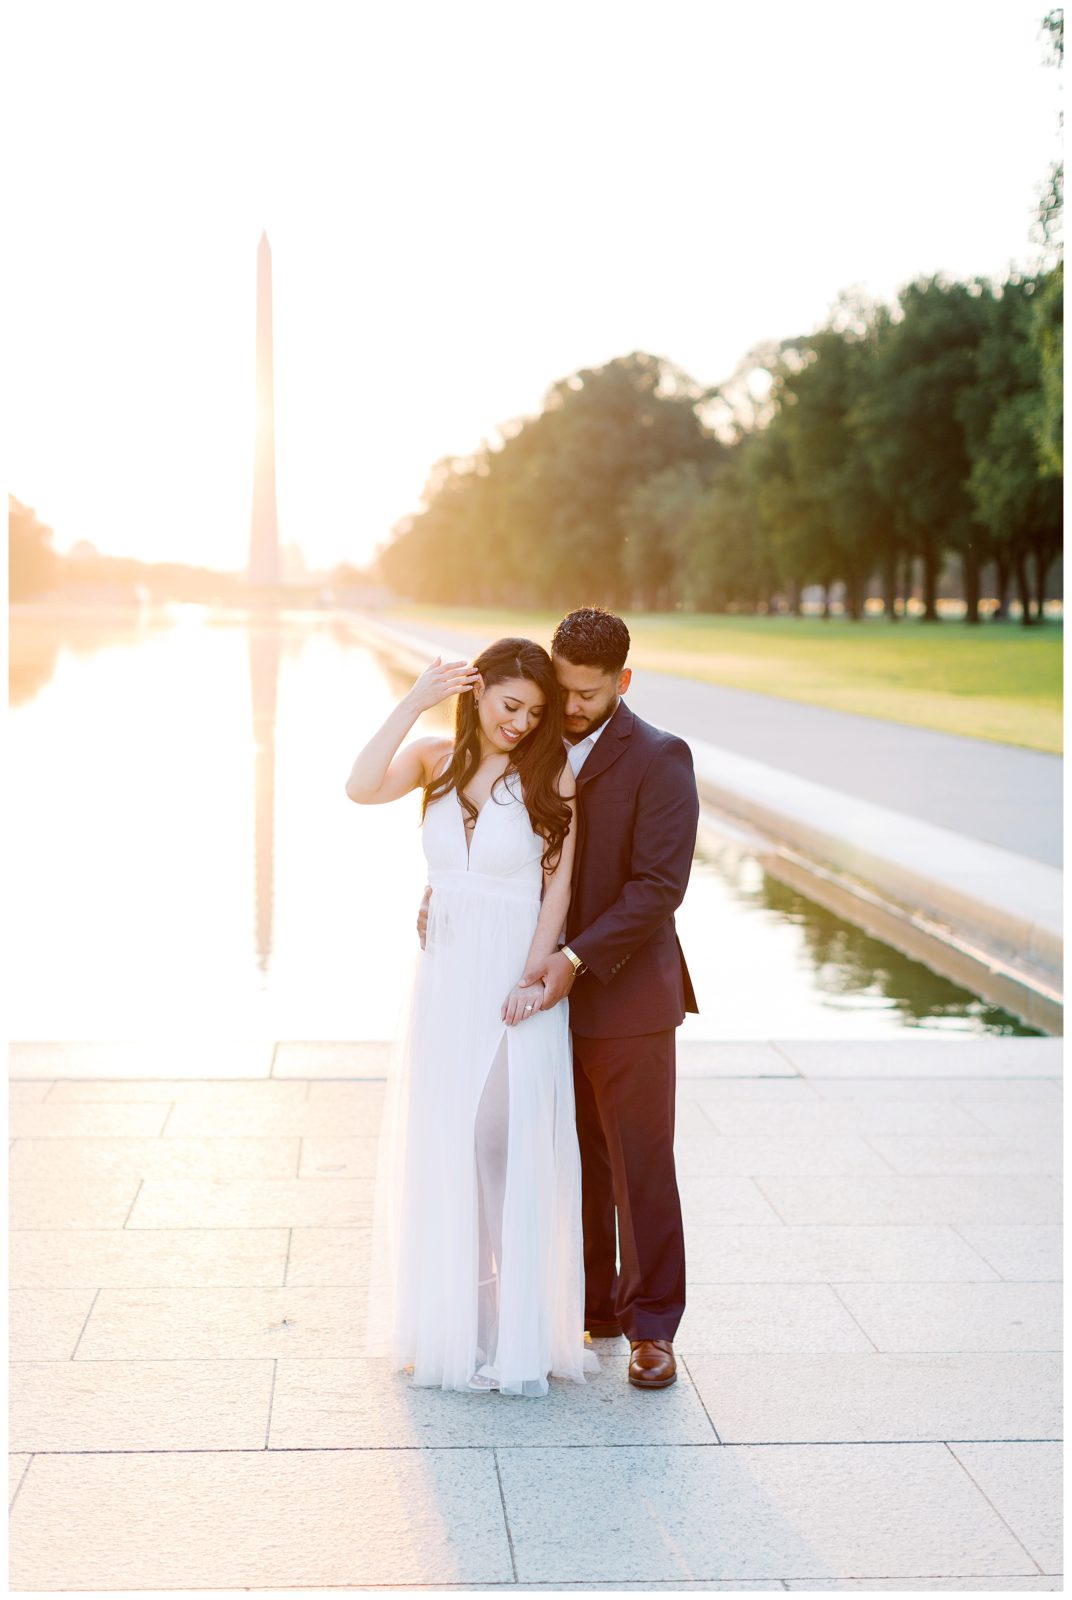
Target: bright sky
465,202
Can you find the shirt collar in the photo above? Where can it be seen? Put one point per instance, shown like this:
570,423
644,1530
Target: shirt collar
590,738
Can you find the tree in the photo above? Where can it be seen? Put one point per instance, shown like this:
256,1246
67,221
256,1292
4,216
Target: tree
1050,213
724,559
1019,504
653,515
1046,337
538,518
854,526
609,429
32,563
786,521
909,425
1047,325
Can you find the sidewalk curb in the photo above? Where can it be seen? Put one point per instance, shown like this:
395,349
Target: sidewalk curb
1006,905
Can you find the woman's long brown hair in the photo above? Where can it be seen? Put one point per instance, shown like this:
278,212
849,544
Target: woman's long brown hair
538,759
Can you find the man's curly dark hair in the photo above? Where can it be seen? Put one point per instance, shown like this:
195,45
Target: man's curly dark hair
592,637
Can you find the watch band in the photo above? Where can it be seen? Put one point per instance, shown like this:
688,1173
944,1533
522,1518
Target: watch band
578,964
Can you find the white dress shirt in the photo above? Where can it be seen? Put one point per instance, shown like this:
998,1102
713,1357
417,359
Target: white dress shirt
577,754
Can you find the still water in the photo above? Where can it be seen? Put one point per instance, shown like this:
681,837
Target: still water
184,860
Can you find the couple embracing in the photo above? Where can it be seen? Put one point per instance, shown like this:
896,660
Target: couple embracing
530,1102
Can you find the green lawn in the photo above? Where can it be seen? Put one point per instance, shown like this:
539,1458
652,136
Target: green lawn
997,681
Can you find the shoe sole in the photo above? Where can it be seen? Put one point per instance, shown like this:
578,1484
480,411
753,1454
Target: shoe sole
652,1383
602,1331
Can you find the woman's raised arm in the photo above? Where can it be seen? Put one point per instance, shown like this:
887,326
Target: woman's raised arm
381,771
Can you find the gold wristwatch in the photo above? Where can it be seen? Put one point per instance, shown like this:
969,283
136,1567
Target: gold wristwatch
578,964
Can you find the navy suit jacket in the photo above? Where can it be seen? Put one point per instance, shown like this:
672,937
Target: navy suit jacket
638,811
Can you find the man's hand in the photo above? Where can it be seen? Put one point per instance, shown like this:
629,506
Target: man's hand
556,974
521,1004
422,917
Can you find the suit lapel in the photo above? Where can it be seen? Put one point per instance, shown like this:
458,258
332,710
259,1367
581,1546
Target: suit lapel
609,746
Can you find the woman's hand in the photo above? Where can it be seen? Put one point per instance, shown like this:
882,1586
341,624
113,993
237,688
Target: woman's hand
440,681
520,1004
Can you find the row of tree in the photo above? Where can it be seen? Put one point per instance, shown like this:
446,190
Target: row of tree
893,436
896,441
40,573
37,571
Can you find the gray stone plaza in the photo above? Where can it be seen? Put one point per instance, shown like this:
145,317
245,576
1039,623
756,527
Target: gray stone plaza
869,1390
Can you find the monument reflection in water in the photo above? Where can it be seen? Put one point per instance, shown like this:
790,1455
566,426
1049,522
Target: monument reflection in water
187,863
187,860
263,684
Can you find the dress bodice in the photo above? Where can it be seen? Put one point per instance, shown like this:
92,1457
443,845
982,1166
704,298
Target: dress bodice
502,847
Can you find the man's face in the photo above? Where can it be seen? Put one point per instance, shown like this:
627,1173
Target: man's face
589,695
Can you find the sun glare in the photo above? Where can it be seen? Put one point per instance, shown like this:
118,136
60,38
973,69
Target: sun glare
447,242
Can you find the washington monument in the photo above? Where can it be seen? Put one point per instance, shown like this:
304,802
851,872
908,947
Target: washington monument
263,524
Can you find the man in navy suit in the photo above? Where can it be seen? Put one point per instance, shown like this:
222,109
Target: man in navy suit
629,989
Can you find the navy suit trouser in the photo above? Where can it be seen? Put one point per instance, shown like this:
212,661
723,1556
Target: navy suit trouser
624,1089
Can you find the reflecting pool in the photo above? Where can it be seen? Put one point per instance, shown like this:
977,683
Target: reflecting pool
184,860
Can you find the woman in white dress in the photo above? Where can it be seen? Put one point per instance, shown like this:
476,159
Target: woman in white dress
477,1269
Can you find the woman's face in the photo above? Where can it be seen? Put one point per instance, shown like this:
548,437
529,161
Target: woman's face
509,712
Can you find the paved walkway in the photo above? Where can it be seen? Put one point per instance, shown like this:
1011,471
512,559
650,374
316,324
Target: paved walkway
869,1384
997,793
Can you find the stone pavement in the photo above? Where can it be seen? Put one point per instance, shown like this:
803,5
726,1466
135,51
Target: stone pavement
869,1369
996,793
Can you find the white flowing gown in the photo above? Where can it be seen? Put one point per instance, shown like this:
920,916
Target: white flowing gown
477,1267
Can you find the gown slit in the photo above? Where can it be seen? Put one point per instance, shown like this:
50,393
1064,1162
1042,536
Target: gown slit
491,1129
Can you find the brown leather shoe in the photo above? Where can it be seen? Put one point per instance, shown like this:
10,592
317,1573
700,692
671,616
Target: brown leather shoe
652,1364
